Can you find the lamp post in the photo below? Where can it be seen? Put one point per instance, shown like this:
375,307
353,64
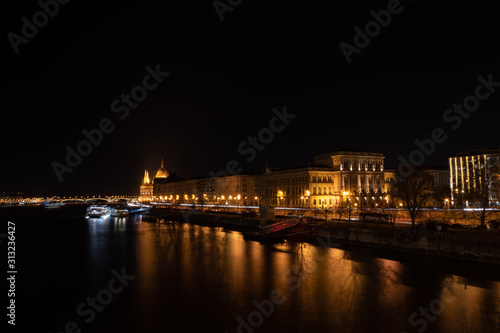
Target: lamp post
344,194
280,198
349,208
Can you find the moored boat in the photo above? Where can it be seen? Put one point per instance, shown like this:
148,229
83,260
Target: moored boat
119,212
97,211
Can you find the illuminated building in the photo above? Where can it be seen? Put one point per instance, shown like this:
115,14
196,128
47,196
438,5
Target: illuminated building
441,176
389,180
147,185
474,172
339,179
146,189
344,178
236,190
441,181
298,187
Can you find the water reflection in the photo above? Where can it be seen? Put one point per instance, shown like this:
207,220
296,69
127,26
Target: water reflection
195,278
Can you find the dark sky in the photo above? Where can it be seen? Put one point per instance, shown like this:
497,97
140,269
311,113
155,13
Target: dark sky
225,79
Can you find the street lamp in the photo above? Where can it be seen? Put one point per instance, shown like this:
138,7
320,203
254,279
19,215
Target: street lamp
344,194
280,196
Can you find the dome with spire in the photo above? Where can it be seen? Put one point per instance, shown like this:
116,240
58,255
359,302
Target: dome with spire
162,172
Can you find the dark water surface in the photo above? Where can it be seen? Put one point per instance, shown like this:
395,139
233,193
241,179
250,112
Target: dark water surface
190,278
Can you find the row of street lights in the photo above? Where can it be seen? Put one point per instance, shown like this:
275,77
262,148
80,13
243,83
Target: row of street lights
195,199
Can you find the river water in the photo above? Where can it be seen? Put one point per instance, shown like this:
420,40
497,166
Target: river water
180,277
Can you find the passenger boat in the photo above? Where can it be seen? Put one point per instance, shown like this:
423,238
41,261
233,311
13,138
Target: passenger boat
119,212
97,211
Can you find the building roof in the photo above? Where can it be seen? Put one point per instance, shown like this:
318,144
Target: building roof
349,152
302,168
162,172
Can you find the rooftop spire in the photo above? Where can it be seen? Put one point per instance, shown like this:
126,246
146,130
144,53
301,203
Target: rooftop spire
162,163
146,177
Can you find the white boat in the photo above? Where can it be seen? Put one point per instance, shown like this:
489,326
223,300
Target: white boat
119,212
97,211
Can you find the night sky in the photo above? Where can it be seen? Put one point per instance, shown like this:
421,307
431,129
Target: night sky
225,79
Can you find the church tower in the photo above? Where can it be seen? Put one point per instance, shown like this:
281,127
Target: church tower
146,189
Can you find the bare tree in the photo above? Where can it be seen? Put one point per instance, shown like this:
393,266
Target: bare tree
414,190
341,211
487,187
326,214
316,211
441,193
393,215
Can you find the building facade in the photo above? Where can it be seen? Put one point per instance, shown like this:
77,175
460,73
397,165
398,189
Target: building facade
441,187
475,172
340,179
146,188
336,179
235,190
297,187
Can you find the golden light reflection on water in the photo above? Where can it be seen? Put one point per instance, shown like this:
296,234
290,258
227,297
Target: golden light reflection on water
323,287
466,307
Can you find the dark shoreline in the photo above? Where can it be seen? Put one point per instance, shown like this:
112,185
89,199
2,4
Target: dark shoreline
398,243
